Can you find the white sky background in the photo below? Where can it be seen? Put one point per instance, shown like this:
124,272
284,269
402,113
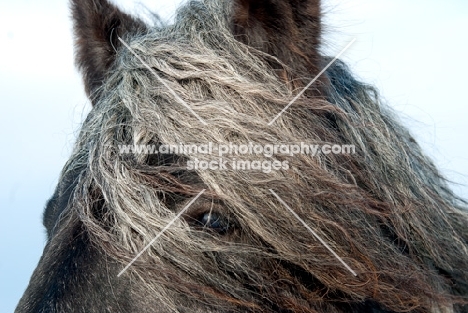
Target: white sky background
413,51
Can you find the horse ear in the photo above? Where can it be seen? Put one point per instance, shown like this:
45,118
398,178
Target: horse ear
97,26
287,29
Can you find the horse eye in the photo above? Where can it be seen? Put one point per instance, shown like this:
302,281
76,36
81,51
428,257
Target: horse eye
214,221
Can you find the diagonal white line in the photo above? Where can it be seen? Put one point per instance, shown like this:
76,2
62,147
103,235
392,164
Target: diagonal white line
160,233
314,233
162,82
310,84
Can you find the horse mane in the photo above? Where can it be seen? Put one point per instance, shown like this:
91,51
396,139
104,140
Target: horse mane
386,210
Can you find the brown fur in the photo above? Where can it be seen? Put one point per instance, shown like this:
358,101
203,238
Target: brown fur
289,30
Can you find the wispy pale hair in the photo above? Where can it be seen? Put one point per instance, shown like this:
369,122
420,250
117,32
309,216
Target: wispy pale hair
385,210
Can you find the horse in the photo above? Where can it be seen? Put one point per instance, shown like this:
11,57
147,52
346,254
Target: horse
376,229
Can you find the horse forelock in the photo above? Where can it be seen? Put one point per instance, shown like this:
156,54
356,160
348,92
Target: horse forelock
385,210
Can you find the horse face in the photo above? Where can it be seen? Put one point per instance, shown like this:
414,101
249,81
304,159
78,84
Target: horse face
133,231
